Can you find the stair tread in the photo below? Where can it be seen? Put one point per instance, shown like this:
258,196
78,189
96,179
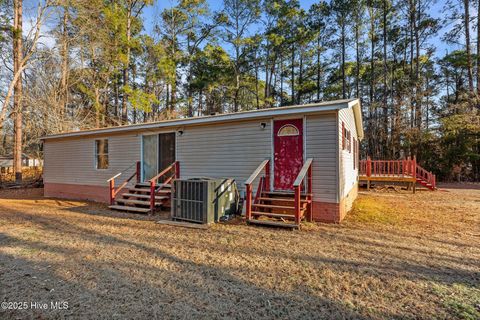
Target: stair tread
144,196
147,203
274,206
147,184
127,208
282,199
273,215
148,190
286,193
273,223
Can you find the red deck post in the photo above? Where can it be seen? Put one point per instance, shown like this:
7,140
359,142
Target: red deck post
112,192
138,171
369,167
309,197
414,165
267,176
177,170
297,205
248,204
152,196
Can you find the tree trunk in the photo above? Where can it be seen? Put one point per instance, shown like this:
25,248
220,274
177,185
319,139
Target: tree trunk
17,100
467,44
344,83
300,78
127,65
319,70
357,57
478,48
281,81
385,85
65,61
293,74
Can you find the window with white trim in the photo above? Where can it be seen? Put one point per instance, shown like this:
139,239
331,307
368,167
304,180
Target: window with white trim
101,154
288,130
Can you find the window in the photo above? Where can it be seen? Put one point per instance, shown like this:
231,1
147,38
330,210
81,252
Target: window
288,130
349,141
101,154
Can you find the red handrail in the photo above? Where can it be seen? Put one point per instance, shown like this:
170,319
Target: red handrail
249,188
306,171
175,167
112,192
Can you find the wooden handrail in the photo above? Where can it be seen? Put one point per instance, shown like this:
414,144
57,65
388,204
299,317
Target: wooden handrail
306,171
303,172
249,189
123,171
257,171
170,167
112,192
175,166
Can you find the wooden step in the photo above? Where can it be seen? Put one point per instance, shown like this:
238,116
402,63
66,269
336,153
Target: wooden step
148,190
274,215
144,196
285,193
141,202
147,184
283,199
127,208
271,206
273,223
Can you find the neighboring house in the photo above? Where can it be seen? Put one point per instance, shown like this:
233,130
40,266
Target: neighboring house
27,161
78,164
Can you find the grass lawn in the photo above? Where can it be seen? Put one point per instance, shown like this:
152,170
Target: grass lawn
397,255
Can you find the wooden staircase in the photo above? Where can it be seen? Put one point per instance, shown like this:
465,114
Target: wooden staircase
425,178
144,197
279,208
137,198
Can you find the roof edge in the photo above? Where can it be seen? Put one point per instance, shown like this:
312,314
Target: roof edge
226,117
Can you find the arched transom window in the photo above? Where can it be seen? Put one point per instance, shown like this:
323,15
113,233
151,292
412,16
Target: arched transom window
288,130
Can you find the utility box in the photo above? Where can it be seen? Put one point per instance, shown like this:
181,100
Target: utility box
204,200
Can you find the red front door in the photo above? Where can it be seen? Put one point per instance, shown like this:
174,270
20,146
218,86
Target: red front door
288,152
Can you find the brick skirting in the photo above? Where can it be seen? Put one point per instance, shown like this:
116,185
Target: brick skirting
77,192
322,211
334,212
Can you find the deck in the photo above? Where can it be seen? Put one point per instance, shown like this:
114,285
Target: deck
405,170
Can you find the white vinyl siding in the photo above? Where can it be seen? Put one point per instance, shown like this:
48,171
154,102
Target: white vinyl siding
348,175
72,161
321,145
229,150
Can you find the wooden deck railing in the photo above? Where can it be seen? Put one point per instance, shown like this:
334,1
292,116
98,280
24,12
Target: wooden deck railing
407,169
397,168
427,176
112,191
173,170
305,172
263,185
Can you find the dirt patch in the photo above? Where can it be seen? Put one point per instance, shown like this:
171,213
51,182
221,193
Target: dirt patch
396,256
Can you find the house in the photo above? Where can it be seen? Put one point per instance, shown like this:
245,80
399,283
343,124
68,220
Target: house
312,149
27,161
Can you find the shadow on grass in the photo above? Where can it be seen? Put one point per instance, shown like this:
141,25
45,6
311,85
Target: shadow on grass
180,289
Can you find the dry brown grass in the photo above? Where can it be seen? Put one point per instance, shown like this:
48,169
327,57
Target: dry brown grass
397,255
